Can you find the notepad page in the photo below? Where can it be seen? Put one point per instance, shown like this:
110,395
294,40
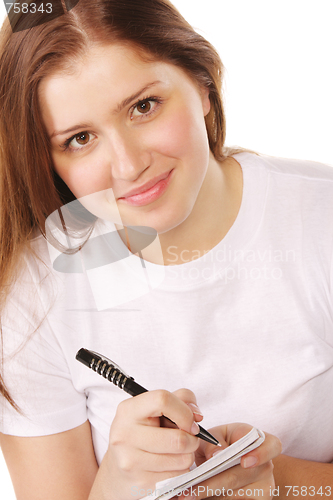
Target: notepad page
223,460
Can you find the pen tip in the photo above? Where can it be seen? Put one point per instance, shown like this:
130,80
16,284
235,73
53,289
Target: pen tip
219,444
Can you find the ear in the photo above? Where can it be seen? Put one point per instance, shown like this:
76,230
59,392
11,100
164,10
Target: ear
205,100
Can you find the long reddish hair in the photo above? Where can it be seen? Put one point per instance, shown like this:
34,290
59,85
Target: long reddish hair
30,190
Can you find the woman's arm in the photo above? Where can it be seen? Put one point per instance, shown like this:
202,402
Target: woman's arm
295,477
51,467
64,466
140,454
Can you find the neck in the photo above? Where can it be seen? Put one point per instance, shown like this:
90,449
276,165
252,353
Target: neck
212,216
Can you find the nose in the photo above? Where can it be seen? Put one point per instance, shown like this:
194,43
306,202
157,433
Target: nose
128,155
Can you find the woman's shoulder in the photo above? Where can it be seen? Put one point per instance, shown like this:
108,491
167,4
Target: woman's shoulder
290,167
34,286
35,266
36,256
294,183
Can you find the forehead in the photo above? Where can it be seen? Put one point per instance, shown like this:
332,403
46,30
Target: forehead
103,78
117,67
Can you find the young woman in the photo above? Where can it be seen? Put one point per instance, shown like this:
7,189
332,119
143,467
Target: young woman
114,110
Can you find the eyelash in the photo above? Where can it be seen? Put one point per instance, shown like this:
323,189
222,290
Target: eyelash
66,145
155,99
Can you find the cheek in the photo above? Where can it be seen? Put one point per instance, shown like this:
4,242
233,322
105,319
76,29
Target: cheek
181,136
92,188
84,176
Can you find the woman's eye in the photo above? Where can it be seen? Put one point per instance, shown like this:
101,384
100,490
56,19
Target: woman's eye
78,141
82,139
146,107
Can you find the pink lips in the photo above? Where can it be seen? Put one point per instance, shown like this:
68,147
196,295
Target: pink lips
150,194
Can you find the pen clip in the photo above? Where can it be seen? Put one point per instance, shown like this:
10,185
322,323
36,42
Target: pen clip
110,362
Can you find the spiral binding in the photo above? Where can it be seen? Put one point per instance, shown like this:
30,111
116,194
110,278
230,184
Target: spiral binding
109,371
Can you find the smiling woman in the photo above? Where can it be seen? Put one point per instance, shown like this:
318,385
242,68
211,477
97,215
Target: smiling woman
121,131
146,129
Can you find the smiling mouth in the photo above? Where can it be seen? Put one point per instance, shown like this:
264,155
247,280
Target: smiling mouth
145,187
149,192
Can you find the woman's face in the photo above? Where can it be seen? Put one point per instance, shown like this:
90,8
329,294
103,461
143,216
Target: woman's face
117,123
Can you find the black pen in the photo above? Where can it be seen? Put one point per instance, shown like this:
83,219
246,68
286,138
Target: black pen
112,372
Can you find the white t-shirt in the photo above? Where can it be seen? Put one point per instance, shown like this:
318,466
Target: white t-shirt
248,327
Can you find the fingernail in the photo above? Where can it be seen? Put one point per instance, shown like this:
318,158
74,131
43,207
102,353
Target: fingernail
195,428
195,409
249,462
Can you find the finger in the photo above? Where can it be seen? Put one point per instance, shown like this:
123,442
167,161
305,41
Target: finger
189,398
158,403
236,431
206,450
142,461
185,395
198,416
268,450
154,439
165,422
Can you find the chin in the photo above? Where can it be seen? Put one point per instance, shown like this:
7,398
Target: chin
163,216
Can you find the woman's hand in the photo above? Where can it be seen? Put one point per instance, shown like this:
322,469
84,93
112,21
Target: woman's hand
252,479
141,452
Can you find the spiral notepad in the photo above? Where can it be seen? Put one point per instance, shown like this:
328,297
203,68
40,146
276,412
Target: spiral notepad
220,462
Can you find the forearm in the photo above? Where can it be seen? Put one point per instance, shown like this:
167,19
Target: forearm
302,478
101,488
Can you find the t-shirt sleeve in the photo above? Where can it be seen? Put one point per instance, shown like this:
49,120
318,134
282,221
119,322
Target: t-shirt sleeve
34,367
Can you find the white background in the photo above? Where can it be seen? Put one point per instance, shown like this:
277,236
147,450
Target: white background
278,83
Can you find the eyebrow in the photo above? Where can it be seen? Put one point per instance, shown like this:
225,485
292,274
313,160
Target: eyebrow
134,96
118,108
